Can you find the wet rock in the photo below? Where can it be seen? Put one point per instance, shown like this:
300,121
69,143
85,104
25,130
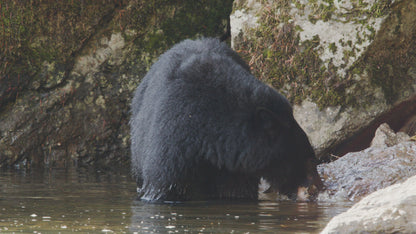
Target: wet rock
358,174
342,63
389,210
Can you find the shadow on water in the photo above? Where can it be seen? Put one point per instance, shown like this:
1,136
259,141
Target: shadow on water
97,201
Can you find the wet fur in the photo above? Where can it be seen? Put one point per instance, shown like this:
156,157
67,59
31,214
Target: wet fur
203,127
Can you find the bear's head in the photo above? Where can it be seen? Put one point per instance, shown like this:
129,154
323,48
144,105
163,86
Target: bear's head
290,165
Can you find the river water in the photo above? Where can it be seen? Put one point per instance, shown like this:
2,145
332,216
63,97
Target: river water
94,201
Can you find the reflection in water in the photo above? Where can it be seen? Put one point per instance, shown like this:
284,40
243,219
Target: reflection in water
232,217
67,201
57,200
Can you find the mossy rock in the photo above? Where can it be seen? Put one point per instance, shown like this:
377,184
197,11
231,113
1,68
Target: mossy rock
68,70
353,56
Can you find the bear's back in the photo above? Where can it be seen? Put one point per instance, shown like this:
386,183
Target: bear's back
193,59
203,73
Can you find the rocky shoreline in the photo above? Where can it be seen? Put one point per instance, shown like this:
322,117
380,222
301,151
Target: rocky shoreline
388,210
381,179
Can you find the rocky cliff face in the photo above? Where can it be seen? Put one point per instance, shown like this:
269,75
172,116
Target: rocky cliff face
348,66
68,70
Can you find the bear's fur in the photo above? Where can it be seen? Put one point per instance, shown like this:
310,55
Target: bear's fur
203,127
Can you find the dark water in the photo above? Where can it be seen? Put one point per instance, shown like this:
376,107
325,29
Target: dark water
96,202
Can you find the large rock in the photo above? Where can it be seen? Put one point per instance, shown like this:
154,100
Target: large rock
68,70
358,174
389,210
348,66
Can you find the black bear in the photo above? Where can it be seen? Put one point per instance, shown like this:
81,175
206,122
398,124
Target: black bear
203,127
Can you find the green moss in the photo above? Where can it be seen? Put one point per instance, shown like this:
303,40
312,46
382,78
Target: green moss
332,47
360,12
298,28
359,39
380,8
322,10
347,54
238,5
168,22
299,5
312,19
389,71
372,32
386,64
279,58
40,43
35,33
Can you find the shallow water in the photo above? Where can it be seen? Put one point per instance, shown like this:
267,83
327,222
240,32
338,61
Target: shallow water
94,201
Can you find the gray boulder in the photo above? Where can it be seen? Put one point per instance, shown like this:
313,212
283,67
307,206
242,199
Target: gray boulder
348,66
358,174
389,210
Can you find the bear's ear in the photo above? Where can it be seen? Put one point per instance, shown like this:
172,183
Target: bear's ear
269,120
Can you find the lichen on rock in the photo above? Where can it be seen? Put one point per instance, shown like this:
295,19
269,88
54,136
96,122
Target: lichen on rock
345,28
336,54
